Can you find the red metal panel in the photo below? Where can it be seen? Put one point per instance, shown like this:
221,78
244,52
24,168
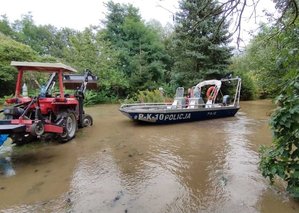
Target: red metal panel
53,128
46,105
60,100
65,101
61,83
19,81
21,121
24,100
11,100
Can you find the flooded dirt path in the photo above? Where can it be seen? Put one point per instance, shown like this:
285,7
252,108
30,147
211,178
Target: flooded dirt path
120,166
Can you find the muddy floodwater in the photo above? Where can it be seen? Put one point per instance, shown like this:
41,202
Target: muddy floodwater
120,166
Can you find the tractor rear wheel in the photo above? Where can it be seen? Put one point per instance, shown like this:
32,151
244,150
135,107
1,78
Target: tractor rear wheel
70,127
87,120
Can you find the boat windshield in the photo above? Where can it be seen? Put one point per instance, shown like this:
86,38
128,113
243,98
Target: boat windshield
196,92
179,92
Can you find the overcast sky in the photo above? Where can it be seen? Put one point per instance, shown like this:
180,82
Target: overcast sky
78,14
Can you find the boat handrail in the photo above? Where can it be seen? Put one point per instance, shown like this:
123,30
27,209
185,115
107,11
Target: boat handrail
185,106
230,79
140,104
176,105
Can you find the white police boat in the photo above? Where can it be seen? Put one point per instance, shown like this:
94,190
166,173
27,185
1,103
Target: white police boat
195,108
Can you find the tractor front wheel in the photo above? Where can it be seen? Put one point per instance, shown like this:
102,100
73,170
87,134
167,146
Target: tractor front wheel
70,127
37,129
87,120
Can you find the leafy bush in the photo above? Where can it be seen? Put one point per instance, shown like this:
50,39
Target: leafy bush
282,157
11,50
249,89
146,96
169,89
96,97
2,100
154,96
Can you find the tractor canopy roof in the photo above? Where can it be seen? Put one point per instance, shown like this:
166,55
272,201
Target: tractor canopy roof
42,67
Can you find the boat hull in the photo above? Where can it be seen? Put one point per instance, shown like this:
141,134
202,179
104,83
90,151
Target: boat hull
178,116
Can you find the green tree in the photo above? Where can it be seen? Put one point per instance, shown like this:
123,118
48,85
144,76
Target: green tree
5,26
30,34
88,50
11,50
201,43
140,50
165,36
241,67
44,39
270,59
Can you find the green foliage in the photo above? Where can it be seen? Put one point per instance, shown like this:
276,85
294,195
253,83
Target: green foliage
141,54
200,43
146,96
127,54
11,50
282,158
249,89
150,96
97,97
89,50
2,99
269,59
44,39
82,50
261,62
168,89
5,27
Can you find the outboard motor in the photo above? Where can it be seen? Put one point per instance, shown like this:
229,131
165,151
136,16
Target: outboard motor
226,100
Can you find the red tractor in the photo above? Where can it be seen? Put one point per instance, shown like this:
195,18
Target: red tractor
50,113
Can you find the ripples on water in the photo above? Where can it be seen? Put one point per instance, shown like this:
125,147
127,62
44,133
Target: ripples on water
208,166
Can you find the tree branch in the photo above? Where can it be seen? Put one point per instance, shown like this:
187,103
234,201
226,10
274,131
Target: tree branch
235,10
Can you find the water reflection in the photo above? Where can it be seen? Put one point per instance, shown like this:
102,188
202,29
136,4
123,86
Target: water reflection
240,179
208,166
204,167
6,166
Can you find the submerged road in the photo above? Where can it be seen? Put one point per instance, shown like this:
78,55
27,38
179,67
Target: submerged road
120,166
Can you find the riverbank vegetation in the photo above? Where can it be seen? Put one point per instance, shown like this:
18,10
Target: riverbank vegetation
128,54
133,58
